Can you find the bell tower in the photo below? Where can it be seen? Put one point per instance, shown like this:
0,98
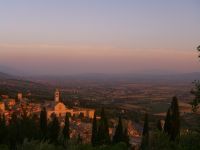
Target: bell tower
57,96
19,96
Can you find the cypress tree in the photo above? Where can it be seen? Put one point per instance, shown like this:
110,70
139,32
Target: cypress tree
94,131
43,124
175,130
79,139
34,127
118,137
172,121
3,129
14,132
4,120
146,126
159,125
167,126
145,134
103,130
65,131
126,137
53,129
28,126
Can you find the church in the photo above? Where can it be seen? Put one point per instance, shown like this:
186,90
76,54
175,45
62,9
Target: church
60,109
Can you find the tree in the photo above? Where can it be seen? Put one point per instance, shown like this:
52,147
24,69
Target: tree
29,128
196,93
118,137
94,131
126,137
79,139
43,124
103,130
159,125
65,131
198,48
34,120
145,134
172,121
53,129
14,132
175,129
3,129
146,126
167,126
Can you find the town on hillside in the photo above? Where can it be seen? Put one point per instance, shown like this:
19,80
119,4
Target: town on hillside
80,118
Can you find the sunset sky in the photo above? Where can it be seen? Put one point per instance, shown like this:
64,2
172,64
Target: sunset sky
99,36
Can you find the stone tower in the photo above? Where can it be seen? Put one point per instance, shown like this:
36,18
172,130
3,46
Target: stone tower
19,96
57,96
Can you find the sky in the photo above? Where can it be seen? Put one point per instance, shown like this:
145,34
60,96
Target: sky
99,36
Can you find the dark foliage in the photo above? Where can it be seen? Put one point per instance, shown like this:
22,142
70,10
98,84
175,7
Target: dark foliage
175,129
126,137
53,129
145,134
103,130
65,131
159,125
196,93
14,132
167,126
172,121
198,48
118,137
94,140
43,124
3,129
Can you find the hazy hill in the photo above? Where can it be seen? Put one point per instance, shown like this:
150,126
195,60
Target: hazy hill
42,87
11,85
115,78
5,76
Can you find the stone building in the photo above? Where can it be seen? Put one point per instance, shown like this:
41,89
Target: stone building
60,109
2,107
19,96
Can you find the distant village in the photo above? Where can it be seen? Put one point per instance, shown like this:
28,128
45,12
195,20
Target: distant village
8,105
80,118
